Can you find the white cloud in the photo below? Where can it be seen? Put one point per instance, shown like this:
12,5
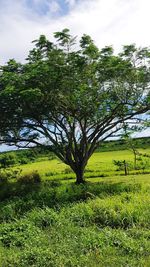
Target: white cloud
54,6
71,3
114,22
51,6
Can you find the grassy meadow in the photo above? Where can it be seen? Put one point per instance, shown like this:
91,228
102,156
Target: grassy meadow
100,164
55,223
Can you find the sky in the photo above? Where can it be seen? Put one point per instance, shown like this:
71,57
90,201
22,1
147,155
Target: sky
108,22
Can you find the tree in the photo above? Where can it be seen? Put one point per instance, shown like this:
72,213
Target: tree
131,142
71,99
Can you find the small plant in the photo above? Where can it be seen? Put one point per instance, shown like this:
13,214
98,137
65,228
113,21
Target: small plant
50,173
122,165
30,178
143,164
67,170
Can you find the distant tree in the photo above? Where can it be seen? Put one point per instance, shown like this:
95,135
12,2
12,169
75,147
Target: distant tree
131,143
71,97
122,165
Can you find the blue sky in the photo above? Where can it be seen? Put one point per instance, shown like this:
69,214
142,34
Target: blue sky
42,8
108,22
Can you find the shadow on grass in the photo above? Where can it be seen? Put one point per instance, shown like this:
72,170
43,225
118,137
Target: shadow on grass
18,199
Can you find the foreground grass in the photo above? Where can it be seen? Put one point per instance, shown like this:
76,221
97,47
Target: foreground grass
105,222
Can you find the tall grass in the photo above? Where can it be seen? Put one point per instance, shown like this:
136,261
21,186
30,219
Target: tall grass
55,223
104,223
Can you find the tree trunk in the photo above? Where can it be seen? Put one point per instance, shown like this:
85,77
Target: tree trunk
79,175
135,160
125,168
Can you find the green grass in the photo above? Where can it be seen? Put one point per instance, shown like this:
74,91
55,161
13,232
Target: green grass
105,222
97,224
100,164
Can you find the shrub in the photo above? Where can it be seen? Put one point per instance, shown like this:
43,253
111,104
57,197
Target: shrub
143,164
30,178
3,177
6,175
54,183
50,173
24,160
123,165
7,160
67,170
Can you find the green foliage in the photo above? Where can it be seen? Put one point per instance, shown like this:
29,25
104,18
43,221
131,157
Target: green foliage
25,156
43,218
67,170
30,178
123,165
8,174
16,233
7,160
72,96
121,144
142,164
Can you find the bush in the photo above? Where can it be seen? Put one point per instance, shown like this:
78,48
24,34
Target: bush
50,173
123,165
24,160
7,160
26,156
67,170
30,178
6,175
54,183
142,164
3,177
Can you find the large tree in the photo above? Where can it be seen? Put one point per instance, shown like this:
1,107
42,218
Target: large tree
70,96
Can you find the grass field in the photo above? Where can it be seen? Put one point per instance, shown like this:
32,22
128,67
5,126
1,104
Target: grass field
100,164
105,222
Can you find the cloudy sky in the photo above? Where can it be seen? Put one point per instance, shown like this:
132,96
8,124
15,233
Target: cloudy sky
109,22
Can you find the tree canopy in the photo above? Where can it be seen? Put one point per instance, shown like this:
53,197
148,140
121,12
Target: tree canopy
70,96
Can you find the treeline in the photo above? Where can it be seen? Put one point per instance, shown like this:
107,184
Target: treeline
24,156
142,142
